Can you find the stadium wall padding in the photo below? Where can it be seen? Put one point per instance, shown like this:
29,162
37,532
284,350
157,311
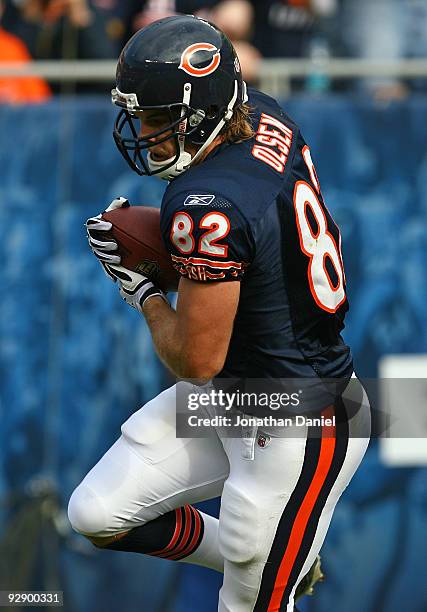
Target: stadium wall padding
75,362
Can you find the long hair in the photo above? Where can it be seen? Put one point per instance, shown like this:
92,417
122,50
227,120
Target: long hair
239,128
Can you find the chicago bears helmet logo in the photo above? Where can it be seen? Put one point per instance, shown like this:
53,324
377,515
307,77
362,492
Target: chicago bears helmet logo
188,53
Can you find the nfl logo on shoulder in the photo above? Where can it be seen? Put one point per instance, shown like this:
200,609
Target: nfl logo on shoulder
199,200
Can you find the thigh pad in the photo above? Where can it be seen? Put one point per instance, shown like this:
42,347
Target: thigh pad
239,526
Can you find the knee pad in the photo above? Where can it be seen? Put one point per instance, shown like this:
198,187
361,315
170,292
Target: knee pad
86,512
239,526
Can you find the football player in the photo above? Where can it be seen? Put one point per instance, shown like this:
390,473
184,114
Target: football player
262,295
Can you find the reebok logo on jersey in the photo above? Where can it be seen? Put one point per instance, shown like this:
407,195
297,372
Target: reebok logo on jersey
199,200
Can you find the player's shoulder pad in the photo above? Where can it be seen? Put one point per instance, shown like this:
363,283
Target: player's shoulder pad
207,236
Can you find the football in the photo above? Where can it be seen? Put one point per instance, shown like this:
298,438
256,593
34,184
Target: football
136,229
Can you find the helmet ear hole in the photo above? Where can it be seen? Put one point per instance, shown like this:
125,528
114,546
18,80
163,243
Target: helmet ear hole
212,112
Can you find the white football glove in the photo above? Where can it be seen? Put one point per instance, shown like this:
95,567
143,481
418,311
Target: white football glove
134,288
103,246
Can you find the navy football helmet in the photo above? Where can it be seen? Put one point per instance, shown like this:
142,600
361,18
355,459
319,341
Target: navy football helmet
186,67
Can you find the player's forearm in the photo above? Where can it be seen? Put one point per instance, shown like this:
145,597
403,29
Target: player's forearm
174,347
161,319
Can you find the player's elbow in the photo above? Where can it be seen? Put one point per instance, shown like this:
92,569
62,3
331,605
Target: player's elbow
202,371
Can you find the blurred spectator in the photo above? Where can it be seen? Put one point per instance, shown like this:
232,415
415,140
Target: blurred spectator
234,17
386,30
64,29
18,90
284,28
152,11
277,28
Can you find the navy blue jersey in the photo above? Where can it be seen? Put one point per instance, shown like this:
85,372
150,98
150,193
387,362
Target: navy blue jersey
253,212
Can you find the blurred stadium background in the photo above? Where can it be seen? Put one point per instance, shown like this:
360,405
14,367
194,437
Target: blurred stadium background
75,363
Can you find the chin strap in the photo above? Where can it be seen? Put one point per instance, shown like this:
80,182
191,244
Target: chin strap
185,160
